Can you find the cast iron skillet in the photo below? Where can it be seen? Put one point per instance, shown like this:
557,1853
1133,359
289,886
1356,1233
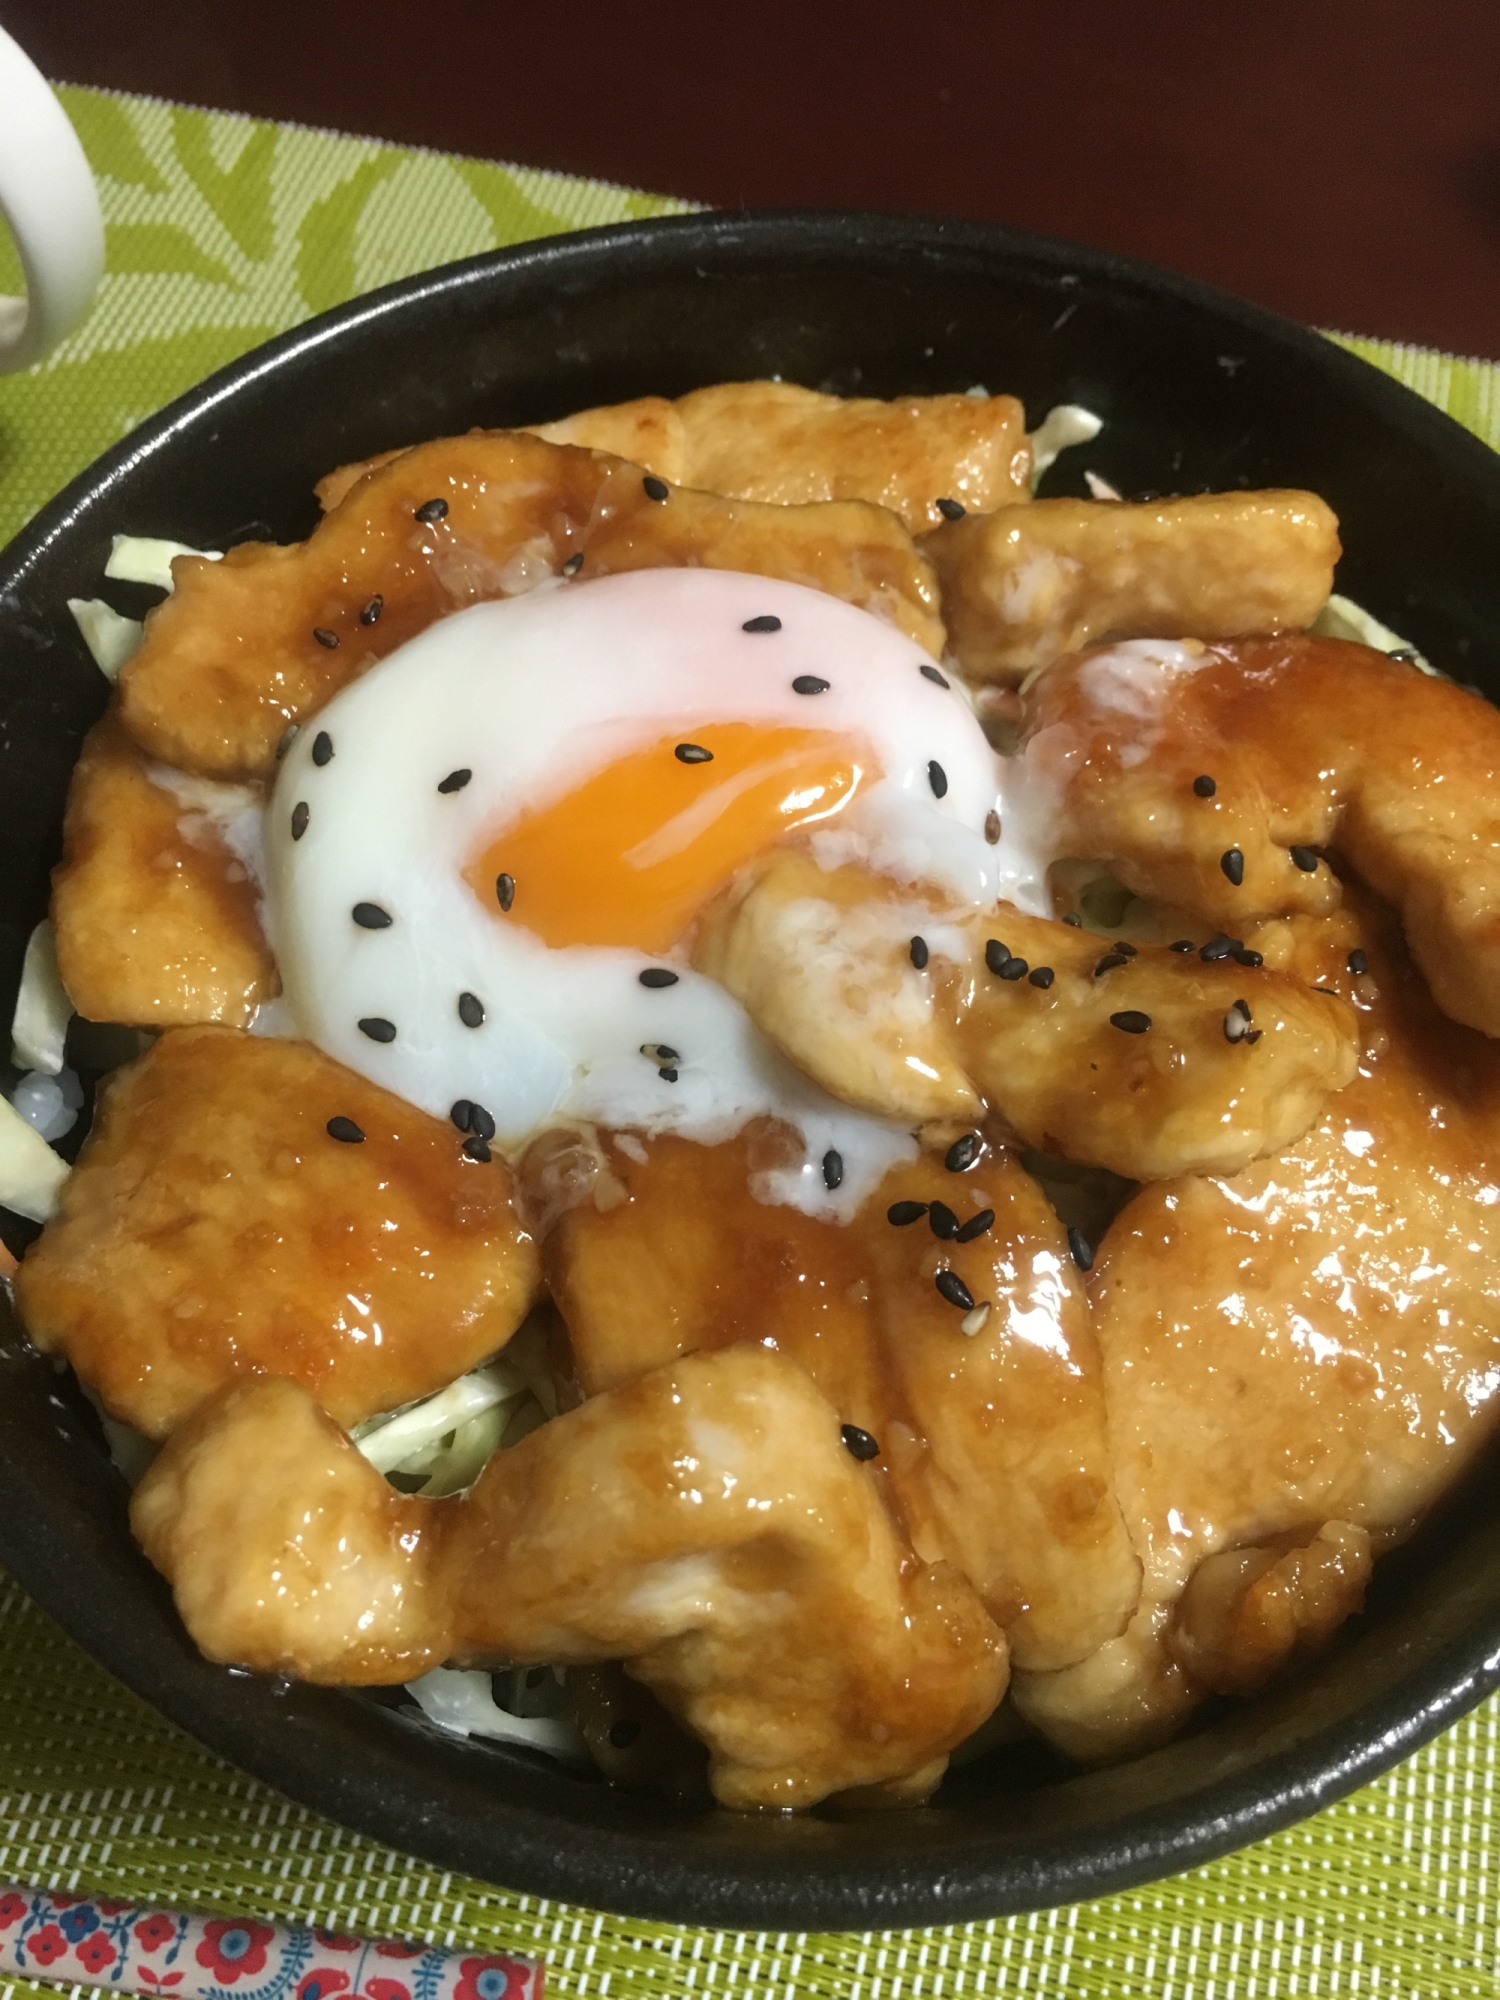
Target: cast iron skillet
1199,391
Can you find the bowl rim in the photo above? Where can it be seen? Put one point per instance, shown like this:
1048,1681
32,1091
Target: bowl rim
608,1867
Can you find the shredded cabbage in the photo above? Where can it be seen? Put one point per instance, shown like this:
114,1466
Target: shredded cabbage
1067,424
438,1445
109,635
39,1026
31,1174
1342,618
539,1715
148,559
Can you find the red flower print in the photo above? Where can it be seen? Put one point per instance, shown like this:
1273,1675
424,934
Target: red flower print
61,1902
96,1952
49,1943
12,1909
153,1932
320,1982
386,1989
399,1948
335,1940
490,1979
234,1945
110,1906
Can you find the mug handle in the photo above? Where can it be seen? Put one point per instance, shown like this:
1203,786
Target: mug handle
47,196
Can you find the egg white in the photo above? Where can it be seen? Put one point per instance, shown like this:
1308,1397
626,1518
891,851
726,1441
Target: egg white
534,695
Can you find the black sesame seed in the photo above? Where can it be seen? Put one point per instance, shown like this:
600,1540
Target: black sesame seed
322,752
1081,1250
1305,858
477,1149
693,753
962,1154
1219,947
833,1169
481,1124
1182,944
996,955
574,563
455,781
372,610
1204,787
370,917
460,1112
1110,960
1247,956
657,975
1074,920
505,890
1122,944
623,1734
377,1028
918,953
659,1052
1041,975
942,1221
471,1010
976,1226
930,673
951,510
431,510
1131,1022
859,1444
1232,861
1014,968
300,816
992,827
810,684
1253,1035
668,1073
324,637
767,622
345,1131
286,739
655,489
903,1212
954,1290
1359,962
937,777
1242,1008
1331,991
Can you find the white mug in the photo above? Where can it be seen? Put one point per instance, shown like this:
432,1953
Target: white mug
47,196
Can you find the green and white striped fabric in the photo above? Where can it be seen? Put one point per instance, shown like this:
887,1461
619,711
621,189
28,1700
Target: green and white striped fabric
222,232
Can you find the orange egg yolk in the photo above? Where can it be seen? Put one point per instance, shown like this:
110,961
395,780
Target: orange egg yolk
631,855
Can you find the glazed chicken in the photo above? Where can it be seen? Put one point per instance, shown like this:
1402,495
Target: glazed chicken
1298,1359
773,441
701,1523
154,913
1262,754
1149,1062
248,645
1025,585
984,1423
247,1204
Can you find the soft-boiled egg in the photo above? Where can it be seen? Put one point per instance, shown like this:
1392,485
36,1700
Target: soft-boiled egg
485,856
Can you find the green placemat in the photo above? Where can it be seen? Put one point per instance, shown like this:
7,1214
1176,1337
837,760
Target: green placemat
223,231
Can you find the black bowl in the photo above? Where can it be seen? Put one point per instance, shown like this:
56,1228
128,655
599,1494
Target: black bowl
1199,391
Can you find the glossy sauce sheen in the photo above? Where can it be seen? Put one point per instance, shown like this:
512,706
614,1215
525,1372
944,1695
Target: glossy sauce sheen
992,1444
214,1226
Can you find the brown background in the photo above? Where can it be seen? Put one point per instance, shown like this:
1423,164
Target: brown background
1336,159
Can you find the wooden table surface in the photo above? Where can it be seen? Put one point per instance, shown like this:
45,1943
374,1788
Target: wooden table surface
1338,160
